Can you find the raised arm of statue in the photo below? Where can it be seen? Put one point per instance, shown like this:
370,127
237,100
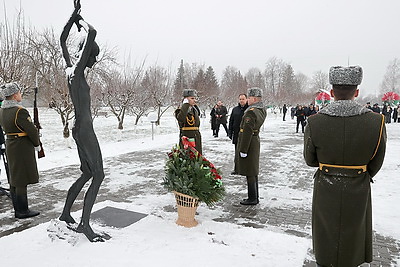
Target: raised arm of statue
89,49
64,35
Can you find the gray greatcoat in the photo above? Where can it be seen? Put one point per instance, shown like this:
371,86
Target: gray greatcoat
188,116
345,134
249,140
20,150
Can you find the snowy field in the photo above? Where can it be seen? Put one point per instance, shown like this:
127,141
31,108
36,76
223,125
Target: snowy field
156,240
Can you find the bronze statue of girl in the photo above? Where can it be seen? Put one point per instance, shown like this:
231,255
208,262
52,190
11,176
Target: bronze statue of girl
82,132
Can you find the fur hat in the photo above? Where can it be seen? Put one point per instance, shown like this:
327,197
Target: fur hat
254,91
189,92
9,89
339,75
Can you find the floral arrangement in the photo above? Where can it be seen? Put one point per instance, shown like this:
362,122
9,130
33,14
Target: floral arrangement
188,172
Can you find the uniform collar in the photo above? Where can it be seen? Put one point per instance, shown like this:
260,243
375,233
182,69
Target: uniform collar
10,103
344,108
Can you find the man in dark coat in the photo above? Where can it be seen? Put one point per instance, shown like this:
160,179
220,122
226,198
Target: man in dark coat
248,147
220,115
301,118
22,141
347,142
188,116
375,108
284,110
213,121
234,124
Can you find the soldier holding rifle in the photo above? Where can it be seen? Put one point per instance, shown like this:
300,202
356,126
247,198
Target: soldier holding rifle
21,142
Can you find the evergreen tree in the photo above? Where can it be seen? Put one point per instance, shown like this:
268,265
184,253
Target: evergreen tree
180,83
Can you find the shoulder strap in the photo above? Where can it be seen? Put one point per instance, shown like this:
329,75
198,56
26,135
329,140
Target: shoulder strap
15,120
380,137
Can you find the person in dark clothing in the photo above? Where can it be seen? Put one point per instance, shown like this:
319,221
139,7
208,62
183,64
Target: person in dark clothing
301,118
213,121
248,146
21,142
346,143
368,105
387,112
376,108
292,112
220,114
284,110
396,114
234,124
188,117
311,110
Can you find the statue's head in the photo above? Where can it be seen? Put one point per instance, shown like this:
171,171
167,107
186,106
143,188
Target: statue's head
93,54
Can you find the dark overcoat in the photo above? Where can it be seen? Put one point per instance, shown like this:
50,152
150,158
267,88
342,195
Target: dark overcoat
188,117
341,208
20,150
249,140
221,111
234,121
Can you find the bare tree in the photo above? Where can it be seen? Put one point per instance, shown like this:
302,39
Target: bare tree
320,80
122,94
391,79
157,84
13,43
232,84
255,78
273,73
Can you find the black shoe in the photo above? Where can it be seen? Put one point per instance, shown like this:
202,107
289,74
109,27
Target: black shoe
21,210
26,214
248,202
251,191
234,173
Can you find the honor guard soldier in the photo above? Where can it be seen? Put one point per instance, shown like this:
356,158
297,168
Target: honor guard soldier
347,142
21,142
248,147
188,116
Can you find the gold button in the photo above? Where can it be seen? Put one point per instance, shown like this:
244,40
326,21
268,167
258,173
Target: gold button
326,170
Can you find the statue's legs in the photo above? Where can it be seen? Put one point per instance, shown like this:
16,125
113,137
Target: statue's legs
73,193
90,198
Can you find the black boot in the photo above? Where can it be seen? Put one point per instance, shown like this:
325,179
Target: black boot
22,211
257,195
13,197
251,192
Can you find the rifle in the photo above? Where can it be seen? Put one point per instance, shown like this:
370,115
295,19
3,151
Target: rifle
36,120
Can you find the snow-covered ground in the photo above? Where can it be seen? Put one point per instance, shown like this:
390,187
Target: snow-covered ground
156,240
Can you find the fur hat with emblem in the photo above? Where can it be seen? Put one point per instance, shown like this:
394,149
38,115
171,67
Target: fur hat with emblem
254,91
9,89
339,75
189,92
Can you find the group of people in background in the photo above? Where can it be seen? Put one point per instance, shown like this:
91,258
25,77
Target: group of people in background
302,113
387,111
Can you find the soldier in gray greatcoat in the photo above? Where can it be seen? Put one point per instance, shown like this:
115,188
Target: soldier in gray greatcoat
347,142
188,116
248,147
21,143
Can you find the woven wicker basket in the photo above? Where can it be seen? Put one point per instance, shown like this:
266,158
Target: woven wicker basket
187,207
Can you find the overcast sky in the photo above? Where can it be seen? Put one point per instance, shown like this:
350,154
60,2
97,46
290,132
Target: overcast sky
311,35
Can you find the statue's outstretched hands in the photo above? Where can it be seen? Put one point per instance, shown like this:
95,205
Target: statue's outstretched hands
77,5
